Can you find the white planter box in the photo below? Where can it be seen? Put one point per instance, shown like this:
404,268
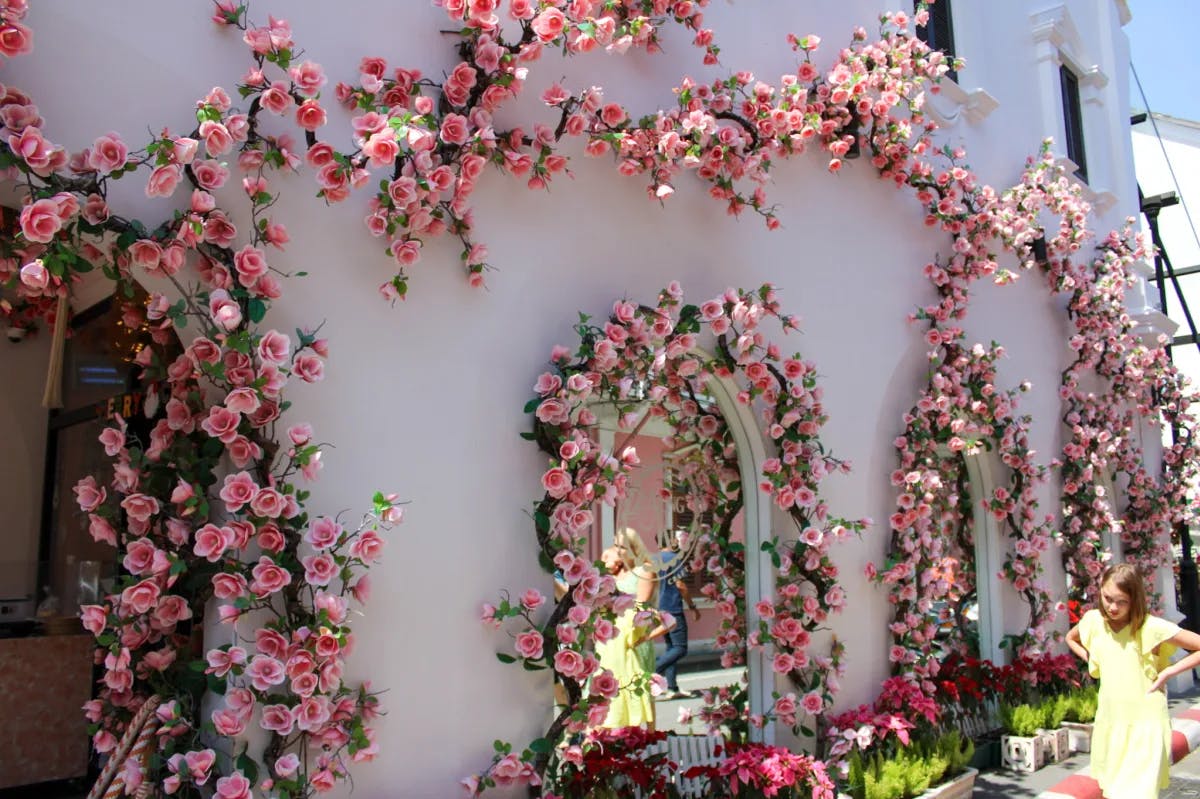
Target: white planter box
1057,744
1022,754
960,787
1079,736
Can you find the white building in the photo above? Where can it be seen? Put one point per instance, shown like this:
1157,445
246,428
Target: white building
425,398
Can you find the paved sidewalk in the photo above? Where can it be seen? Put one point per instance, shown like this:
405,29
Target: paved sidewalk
1072,772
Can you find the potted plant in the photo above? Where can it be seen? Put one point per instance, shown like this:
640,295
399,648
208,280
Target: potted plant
615,764
924,770
1055,739
1021,748
759,771
1081,713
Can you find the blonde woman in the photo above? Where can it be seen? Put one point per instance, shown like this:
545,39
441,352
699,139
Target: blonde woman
630,654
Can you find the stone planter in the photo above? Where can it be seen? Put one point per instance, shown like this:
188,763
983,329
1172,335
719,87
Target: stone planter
1022,754
960,787
1057,744
1079,736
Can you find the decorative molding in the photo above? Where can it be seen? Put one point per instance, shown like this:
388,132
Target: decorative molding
1059,41
952,102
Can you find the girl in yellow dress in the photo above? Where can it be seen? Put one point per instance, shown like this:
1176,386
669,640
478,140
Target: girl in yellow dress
630,654
1129,651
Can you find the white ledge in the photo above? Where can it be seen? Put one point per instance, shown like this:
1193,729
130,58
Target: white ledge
951,102
1150,324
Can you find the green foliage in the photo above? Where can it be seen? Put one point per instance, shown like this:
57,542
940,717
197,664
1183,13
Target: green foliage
1022,720
1055,711
910,771
1081,705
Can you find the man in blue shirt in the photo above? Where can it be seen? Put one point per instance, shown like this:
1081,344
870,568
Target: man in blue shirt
672,594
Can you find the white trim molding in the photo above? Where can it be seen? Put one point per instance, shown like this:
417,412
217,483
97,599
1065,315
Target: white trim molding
951,102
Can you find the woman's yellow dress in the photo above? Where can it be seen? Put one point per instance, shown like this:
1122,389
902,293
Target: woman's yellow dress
630,657
1131,739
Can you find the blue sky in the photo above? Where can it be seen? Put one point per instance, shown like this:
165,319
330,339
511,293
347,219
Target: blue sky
1162,38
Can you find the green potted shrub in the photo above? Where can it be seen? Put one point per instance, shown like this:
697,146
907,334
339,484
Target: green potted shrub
1021,746
924,770
1056,740
1081,713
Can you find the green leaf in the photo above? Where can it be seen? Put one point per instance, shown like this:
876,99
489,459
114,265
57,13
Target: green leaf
531,406
503,658
258,309
248,767
540,745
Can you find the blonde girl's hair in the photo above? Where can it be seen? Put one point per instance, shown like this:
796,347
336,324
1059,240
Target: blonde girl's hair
632,542
1126,578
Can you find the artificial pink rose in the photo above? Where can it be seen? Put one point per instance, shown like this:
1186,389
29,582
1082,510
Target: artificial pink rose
279,719
140,598
242,451
40,221
557,482
532,599
323,532
35,276
210,543
222,661
327,646
227,723
139,556
308,367
140,506
15,38
269,577
172,609
100,530
368,547
251,264
381,148
605,684
108,154
267,503
319,569
270,539
287,765
225,311
242,400
455,129
300,434
163,181
228,586
265,672
312,713
210,175
94,618
270,643
237,490
813,703
217,139
529,644
221,423
310,115
276,98
235,786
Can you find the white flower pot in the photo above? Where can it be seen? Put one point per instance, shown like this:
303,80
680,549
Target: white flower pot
1079,736
1057,744
1022,754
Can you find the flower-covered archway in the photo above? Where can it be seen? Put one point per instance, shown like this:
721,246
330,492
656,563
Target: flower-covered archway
645,361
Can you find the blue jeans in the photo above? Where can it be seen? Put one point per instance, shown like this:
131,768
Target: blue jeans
676,648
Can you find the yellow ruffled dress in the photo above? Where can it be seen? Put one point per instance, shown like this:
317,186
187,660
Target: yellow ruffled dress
631,660
1131,739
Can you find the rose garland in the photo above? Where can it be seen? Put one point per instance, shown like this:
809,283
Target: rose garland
654,348
183,534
